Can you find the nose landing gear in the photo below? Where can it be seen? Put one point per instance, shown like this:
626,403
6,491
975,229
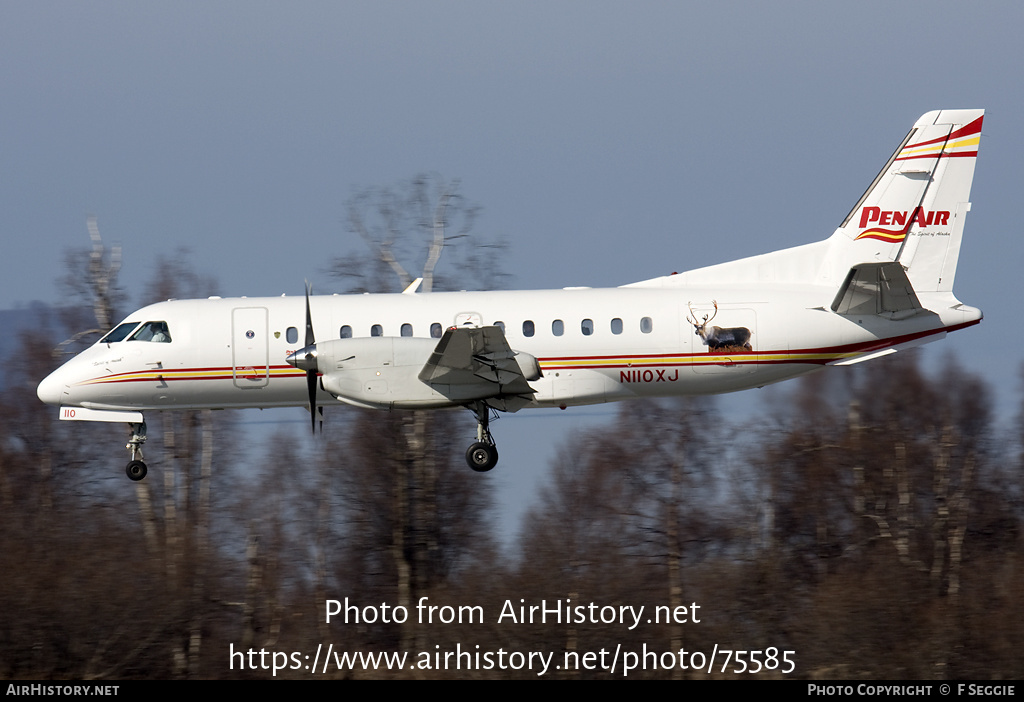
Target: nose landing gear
136,469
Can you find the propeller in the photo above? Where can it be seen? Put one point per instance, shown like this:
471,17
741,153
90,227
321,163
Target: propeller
305,358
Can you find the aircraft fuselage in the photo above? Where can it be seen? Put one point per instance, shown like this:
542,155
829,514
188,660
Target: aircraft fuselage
592,345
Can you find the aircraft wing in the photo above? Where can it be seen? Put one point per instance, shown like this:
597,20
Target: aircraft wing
478,360
877,288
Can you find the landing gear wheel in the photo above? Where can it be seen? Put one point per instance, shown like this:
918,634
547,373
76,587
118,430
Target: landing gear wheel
482,457
136,470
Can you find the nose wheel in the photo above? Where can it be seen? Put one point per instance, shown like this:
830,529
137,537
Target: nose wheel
483,454
136,469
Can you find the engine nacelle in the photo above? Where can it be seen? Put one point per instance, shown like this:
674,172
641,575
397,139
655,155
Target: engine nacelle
378,372
529,365
383,372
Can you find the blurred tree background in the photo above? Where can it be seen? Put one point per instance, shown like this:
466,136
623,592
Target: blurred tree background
871,523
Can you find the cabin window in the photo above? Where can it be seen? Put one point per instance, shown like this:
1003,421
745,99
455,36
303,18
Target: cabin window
153,331
435,330
558,327
528,328
292,335
406,329
616,326
376,330
646,325
587,327
119,332
346,332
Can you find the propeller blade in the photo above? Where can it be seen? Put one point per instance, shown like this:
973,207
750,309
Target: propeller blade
309,319
311,387
310,372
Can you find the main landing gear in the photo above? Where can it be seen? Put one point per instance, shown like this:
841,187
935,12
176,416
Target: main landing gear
483,454
136,469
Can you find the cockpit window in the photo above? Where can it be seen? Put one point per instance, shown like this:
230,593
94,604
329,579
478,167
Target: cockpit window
152,331
119,332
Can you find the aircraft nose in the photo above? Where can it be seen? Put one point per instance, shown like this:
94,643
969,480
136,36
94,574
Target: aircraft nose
52,390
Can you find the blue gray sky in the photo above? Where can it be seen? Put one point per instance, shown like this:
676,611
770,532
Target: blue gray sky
607,142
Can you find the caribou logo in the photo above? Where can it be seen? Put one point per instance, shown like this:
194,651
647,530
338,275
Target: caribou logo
723,339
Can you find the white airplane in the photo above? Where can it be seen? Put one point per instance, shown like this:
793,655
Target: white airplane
882,282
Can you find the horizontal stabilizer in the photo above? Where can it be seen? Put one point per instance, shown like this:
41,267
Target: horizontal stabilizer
910,344
865,357
879,289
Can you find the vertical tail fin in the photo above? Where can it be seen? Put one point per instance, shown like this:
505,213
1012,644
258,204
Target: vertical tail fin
914,210
912,213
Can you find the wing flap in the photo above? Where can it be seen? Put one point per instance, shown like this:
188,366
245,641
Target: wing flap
476,357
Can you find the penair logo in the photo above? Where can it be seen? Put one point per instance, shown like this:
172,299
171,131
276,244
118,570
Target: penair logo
907,219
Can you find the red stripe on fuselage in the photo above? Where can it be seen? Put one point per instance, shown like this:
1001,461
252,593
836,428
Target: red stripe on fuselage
656,360
562,362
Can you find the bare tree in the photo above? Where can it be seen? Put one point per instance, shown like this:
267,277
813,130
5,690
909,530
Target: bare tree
187,461
871,508
406,229
620,523
93,277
